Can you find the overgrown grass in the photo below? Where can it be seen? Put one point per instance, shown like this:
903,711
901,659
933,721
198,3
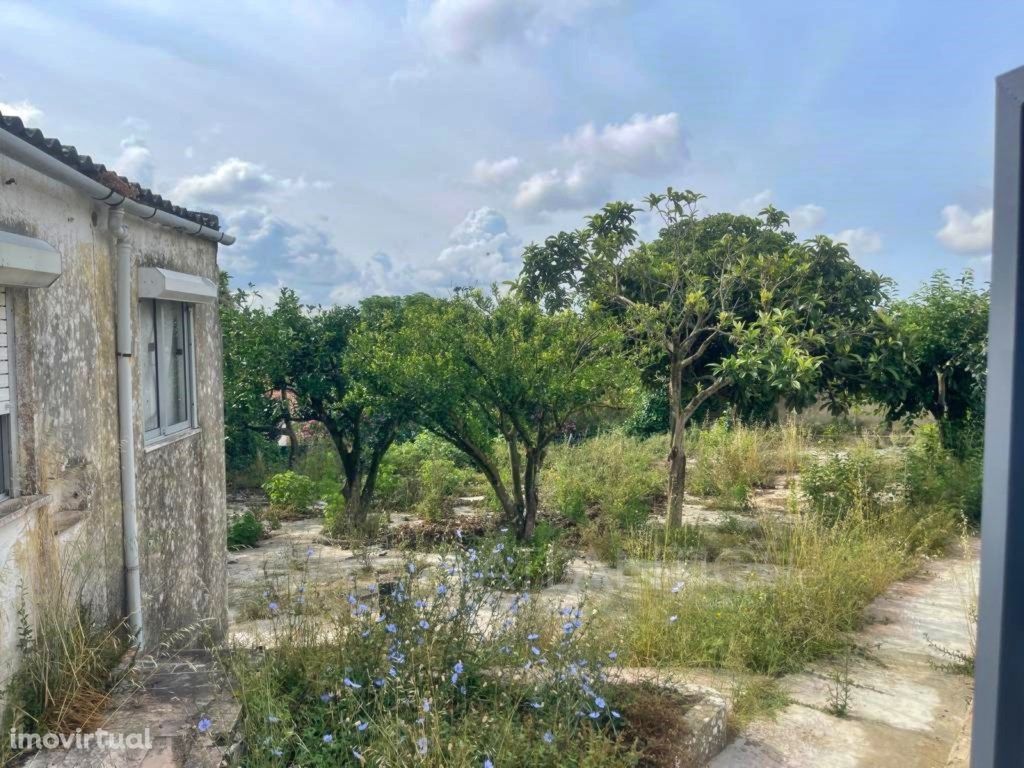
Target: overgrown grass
828,567
448,673
611,476
425,475
732,460
63,673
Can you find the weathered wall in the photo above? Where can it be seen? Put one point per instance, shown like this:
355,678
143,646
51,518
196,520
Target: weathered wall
67,442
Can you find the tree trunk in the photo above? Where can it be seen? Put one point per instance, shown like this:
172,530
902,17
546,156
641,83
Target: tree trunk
677,445
528,523
676,482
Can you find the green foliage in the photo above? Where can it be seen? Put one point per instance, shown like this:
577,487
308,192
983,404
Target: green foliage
718,304
66,657
425,475
939,476
244,531
858,482
427,684
649,416
943,335
480,367
511,564
612,476
733,460
291,494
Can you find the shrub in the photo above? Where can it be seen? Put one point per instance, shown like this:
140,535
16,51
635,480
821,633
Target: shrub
290,494
731,460
427,669
423,474
857,482
509,564
244,531
935,475
611,475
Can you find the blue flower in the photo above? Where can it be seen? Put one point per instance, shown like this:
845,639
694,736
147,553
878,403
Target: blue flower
391,629
424,624
358,755
309,552
411,567
421,745
351,599
426,705
379,682
273,719
535,650
548,737
276,752
204,724
352,684
672,619
498,548
532,636
488,763
273,607
441,589
599,702
613,655
361,726
594,715
326,697
328,738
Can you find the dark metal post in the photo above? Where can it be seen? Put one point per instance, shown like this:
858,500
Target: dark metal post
998,734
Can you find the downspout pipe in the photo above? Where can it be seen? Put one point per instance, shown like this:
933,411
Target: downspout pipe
126,421
47,165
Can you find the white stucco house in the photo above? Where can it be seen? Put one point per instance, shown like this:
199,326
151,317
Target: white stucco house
111,404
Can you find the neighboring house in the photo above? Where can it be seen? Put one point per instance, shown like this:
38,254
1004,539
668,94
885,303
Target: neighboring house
111,402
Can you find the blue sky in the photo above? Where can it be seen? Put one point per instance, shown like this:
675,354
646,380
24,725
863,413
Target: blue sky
386,147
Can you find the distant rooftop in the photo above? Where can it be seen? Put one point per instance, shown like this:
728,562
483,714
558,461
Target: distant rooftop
84,164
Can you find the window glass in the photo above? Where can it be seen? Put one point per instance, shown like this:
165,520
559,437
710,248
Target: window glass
147,337
165,339
173,360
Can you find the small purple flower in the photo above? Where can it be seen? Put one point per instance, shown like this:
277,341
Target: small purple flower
426,705
361,726
532,636
535,650
352,684
421,745
488,763
594,715
549,737
391,629
274,607
458,667
424,624
441,589
599,702
328,738
326,697
204,724
309,552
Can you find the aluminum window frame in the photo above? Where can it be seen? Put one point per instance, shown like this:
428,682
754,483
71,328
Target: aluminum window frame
9,485
163,430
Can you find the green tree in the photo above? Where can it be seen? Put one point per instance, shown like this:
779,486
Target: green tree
251,364
943,330
717,305
486,370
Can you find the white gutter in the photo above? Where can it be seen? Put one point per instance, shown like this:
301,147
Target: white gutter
47,165
126,420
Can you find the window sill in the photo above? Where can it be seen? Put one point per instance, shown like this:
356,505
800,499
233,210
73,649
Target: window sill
16,508
176,437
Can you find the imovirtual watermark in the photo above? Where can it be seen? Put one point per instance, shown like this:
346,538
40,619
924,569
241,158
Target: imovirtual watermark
98,739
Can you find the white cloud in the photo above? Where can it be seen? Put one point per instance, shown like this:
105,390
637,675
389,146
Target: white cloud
556,189
465,28
860,241
272,252
135,161
964,232
481,251
495,172
233,181
807,216
753,205
29,113
642,143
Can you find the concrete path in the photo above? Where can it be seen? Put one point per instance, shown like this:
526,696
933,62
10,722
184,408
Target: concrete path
906,706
